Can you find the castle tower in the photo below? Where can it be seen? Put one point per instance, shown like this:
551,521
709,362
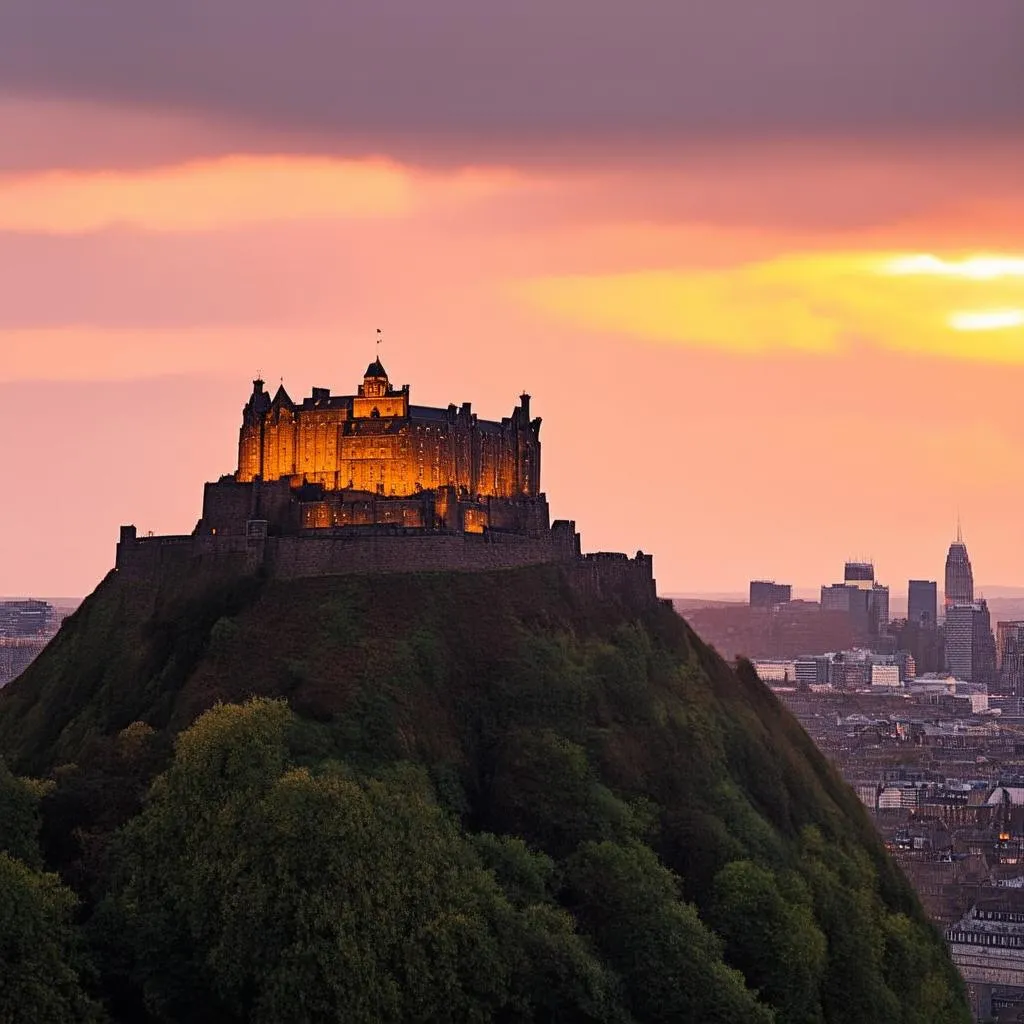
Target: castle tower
250,438
375,381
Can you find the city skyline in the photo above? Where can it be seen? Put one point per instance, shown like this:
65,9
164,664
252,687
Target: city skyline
744,294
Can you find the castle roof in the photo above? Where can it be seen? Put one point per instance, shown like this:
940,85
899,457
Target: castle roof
283,398
376,369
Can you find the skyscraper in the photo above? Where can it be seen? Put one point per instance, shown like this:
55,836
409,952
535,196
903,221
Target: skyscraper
859,574
767,594
1010,657
922,603
864,600
970,645
959,577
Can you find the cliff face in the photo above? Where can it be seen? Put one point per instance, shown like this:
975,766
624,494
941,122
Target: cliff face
657,783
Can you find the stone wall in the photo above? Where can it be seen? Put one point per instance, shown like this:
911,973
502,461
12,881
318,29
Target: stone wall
229,504
328,553
385,550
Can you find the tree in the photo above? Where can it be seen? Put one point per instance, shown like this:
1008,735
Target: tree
256,891
19,817
772,939
670,962
40,957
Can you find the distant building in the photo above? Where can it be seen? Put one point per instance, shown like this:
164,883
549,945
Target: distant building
772,670
25,618
924,643
859,574
959,576
970,645
987,946
922,603
17,653
838,597
767,594
860,597
878,607
1010,657
814,670
885,675
25,629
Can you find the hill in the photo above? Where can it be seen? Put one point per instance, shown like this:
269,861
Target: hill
487,797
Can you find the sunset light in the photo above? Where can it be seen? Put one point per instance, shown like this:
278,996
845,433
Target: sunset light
972,268
488,492
987,320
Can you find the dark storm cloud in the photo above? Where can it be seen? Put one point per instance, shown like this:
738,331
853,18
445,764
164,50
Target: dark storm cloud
440,74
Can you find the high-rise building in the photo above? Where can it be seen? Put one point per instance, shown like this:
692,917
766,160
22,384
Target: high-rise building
859,574
1010,657
865,601
959,577
925,643
878,607
766,594
970,645
922,603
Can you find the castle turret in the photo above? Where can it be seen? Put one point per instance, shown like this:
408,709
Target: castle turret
250,440
375,381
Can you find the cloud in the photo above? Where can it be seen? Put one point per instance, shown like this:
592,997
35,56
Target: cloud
232,191
460,74
960,307
202,196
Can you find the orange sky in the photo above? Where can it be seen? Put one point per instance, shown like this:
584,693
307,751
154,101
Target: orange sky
751,360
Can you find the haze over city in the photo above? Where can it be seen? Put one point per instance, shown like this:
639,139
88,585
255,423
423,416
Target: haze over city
762,273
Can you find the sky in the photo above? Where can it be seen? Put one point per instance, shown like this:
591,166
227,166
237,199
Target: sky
760,265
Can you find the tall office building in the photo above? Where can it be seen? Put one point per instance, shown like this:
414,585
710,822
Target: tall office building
970,645
766,594
922,603
1010,657
859,574
865,601
959,577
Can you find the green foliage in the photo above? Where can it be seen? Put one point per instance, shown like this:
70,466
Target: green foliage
310,897
773,938
19,817
490,799
39,956
526,877
669,960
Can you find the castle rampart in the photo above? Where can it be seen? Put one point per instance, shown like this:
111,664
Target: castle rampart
382,550
371,484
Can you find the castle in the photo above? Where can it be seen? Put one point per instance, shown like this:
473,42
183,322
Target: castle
371,483
373,459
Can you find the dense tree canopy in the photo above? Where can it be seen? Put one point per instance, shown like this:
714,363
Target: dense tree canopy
441,798
41,961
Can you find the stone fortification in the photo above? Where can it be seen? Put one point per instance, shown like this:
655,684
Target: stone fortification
383,550
368,483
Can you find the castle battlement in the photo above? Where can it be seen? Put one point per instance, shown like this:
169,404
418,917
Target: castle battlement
368,483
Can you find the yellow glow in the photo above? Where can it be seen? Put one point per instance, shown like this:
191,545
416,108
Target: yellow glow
987,320
972,268
819,303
